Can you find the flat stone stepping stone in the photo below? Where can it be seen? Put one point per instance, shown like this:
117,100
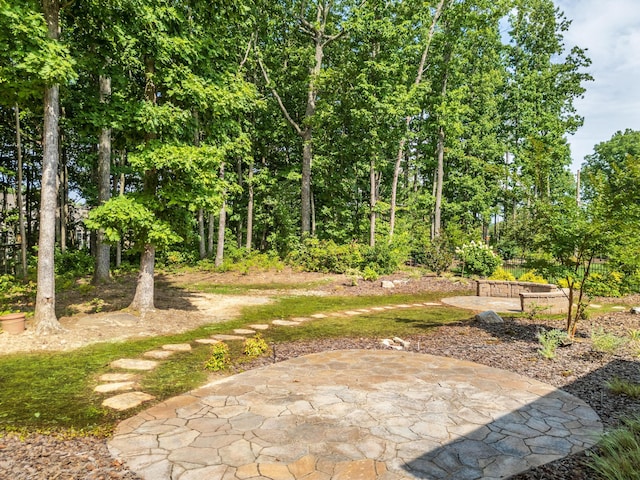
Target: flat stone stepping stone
417,305
352,312
177,347
117,377
243,331
125,401
223,337
390,307
299,319
158,354
377,309
618,307
402,305
259,326
114,387
359,414
207,341
364,310
319,315
432,304
134,364
285,323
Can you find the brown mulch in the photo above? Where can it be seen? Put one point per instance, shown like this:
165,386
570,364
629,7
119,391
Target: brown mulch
512,346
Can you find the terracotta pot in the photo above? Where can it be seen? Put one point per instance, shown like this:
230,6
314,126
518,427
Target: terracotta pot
12,323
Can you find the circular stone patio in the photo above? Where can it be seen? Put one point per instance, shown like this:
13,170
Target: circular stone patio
358,414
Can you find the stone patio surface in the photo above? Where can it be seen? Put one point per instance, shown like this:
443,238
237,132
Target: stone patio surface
481,304
358,414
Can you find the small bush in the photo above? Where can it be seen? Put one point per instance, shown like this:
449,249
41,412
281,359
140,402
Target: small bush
608,285
369,274
624,387
604,342
532,277
74,262
220,357
502,274
619,453
478,259
550,340
437,256
256,346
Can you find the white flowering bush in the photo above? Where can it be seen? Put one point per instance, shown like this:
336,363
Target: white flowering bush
478,259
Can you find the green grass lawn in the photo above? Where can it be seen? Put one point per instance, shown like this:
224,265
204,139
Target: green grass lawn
54,391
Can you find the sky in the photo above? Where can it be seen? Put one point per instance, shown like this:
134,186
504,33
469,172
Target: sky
610,32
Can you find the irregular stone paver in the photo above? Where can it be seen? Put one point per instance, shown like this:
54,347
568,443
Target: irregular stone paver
134,364
158,354
352,312
259,326
432,304
117,377
319,315
224,338
114,387
177,347
480,304
208,341
243,331
285,323
299,319
383,415
126,401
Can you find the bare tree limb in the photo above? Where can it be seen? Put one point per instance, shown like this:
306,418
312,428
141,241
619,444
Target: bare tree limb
246,53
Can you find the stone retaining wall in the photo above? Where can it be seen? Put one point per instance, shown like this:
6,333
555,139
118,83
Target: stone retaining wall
545,302
510,289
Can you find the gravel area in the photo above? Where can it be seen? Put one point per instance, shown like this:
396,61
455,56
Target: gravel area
577,369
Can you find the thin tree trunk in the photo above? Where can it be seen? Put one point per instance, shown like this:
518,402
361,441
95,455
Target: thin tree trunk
250,208
437,220
239,222
403,141
21,230
102,274
45,313
201,241
63,188
372,203
210,233
120,192
222,223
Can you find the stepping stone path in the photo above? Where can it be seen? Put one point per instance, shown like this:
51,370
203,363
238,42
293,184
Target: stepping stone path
119,382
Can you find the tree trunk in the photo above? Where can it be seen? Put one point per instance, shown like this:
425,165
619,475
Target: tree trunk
210,233
102,274
403,141
372,203
239,222
120,192
250,209
222,224
144,297
45,313
21,229
437,221
63,188
201,239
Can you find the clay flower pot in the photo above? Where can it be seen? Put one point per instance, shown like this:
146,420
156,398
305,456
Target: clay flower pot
12,323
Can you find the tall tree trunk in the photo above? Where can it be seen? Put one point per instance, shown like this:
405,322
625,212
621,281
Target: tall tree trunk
143,300
45,313
210,233
372,202
239,222
403,141
120,192
63,187
201,241
250,208
21,229
101,274
437,220
222,224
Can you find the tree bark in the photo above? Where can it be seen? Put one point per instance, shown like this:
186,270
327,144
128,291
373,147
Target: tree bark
239,222
201,241
250,208
403,141
437,212
222,223
144,297
102,274
372,203
210,233
21,229
120,192
45,313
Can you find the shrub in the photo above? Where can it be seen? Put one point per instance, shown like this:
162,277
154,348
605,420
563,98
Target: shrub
605,342
478,259
532,277
74,262
502,274
325,256
437,256
369,274
383,258
608,285
550,341
256,346
619,453
220,357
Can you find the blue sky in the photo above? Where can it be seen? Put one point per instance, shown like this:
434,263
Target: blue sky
610,31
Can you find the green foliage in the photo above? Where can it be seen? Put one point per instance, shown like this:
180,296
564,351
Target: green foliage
74,262
618,456
502,274
610,284
436,255
605,342
256,346
550,340
478,259
383,258
369,274
219,359
624,387
532,277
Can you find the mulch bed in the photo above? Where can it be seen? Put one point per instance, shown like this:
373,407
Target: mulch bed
512,346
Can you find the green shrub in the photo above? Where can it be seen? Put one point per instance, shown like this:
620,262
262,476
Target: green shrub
532,277
478,259
74,262
437,256
502,274
550,340
220,357
369,274
256,346
383,258
604,342
315,255
619,453
607,285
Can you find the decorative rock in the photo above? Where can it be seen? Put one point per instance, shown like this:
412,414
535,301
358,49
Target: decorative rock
177,347
489,317
158,354
387,284
259,326
402,342
117,377
635,310
134,364
114,387
207,341
125,401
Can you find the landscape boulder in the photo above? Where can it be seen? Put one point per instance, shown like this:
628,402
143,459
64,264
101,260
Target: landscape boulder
489,317
387,284
635,310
